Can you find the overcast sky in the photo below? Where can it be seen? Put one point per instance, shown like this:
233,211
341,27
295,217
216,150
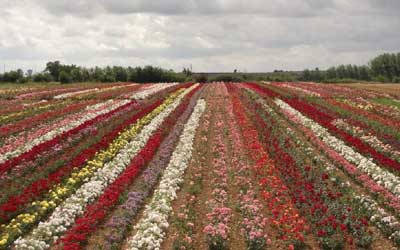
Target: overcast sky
220,35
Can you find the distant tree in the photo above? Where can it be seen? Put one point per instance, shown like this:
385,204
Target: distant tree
64,77
306,76
98,74
317,75
201,78
42,77
364,73
121,75
76,75
108,75
54,69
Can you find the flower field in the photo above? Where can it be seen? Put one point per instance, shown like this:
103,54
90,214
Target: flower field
200,166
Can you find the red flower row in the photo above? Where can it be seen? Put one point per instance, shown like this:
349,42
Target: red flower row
309,188
31,154
325,120
284,214
36,189
32,121
76,236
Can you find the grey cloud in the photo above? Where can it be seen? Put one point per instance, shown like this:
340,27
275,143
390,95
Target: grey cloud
212,35
290,8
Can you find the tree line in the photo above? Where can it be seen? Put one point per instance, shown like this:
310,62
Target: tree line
383,68
58,72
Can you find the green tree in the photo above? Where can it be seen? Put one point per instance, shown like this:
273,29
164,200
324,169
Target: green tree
54,69
65,77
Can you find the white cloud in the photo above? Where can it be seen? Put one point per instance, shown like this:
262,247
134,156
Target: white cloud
221,35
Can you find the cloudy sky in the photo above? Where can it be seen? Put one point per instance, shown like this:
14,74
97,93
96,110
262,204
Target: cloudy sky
219,35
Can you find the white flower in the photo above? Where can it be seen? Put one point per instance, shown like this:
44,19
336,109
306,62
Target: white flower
152,90
64,215
150,229
380,175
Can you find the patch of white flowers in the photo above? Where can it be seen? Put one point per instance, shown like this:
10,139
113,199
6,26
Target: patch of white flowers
381,176
150,230
293,86
370,139
152,90
74,93
387,223
109,106
64,215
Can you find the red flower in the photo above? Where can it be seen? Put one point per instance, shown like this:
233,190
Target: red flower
321,233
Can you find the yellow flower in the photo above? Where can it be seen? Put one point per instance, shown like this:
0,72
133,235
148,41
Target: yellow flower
3,242
97,162
71,181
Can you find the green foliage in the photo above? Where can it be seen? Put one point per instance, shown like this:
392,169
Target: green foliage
55,71
65,77
12,76
396,79
42,77
383,68
227,78
201,78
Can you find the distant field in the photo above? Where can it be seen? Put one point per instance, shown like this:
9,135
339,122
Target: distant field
200,166
390,88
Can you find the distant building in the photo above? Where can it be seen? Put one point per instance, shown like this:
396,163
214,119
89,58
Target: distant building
29,72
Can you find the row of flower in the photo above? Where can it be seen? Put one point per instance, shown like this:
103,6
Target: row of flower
18,111
36,120
324,120
31,179
15,108
368,138
253,223
151,90
106,183
94,168
149,232
377,119
118,224
219,216
185,220
284,217
385,222
96,212
332,219
380,175
382,194
92,90
47,92
28,144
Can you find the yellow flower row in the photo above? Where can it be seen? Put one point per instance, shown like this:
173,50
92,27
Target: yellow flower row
40,208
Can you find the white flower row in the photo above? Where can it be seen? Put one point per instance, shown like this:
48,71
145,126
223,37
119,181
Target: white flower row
380,175
97,90
74,93
370,139
55,132
150,230
152,90
293,86
64,215
387,223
